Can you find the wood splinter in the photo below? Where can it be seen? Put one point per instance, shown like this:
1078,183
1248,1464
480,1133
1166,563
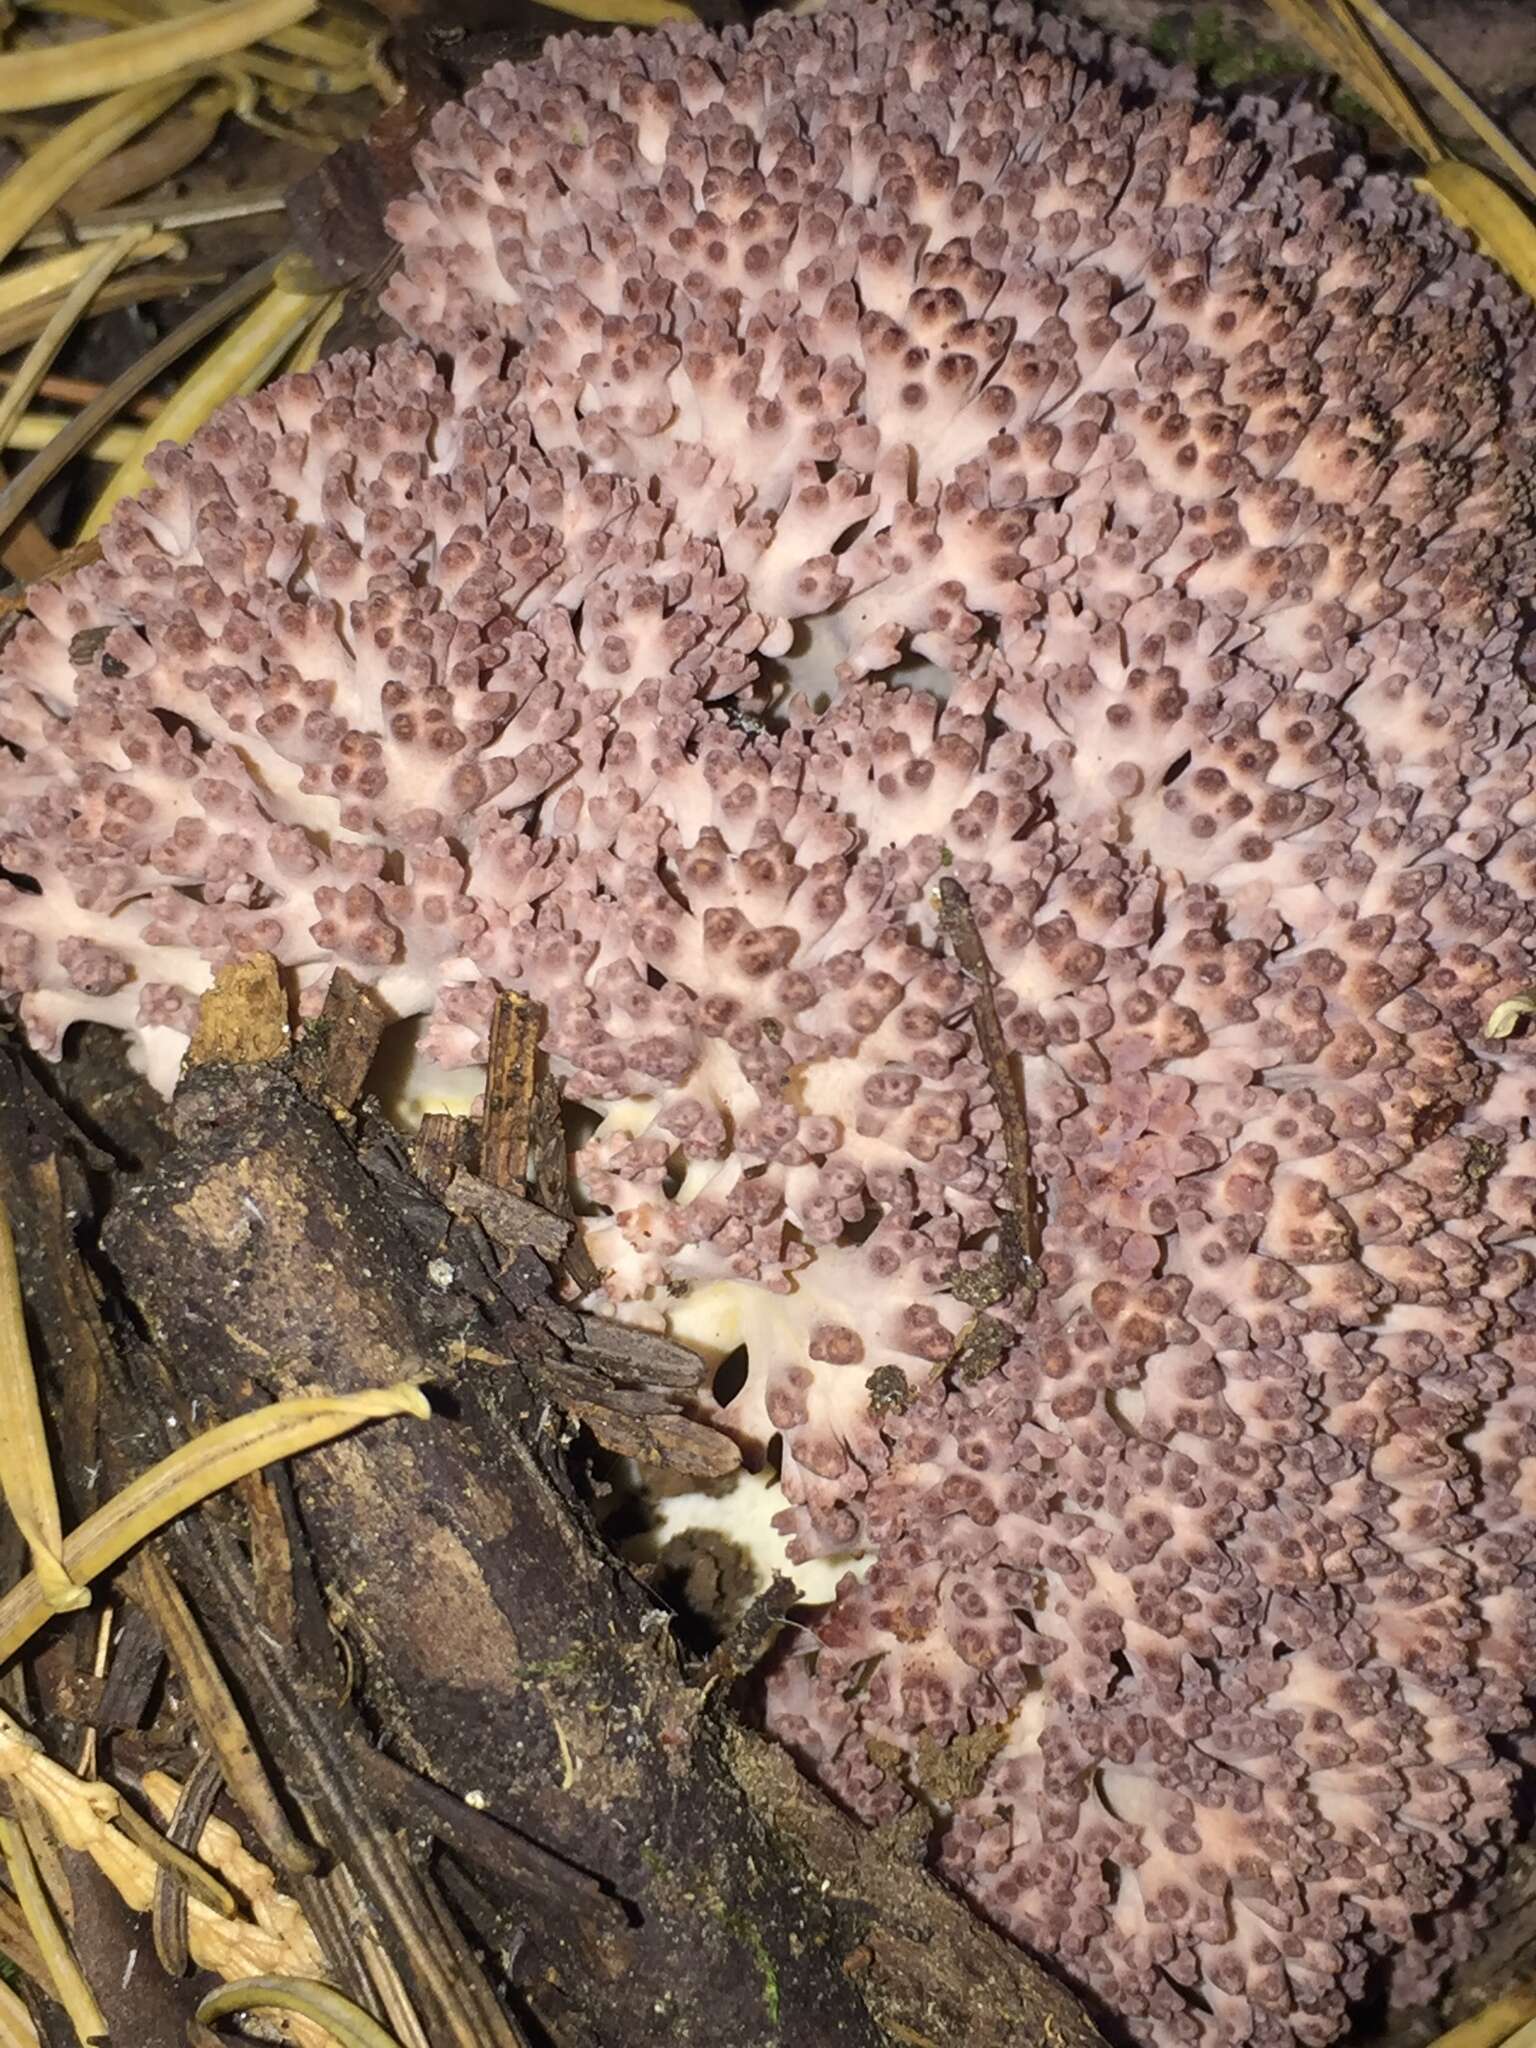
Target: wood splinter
1020,1226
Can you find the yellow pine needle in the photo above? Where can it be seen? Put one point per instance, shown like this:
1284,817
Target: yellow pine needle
1500,226
1453,92
165,216
242,360
312,342
34,431
309,1998
26,1470
331,48
1493,2026
345,71
117,12
1368,62
16,2028
172,145
248,108
132,287
39,358
1315,28
634,13
38,184
308,80
69,1985
188,1475
337,44
53,274
130,56
1467,195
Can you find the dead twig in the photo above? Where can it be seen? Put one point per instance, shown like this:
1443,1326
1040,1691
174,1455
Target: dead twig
1015,1272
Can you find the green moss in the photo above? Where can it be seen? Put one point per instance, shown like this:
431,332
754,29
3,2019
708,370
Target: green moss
750,1936
1227,53
740,1926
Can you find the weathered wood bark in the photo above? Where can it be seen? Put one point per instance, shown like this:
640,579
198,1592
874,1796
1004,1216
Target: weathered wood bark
674,1878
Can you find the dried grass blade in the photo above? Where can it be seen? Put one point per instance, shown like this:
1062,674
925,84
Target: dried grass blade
16,2028
39,183
26,1469
40,357
1453,92
60,72
188,1475
69,1984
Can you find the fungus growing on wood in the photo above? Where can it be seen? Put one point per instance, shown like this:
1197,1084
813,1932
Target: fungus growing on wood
889,447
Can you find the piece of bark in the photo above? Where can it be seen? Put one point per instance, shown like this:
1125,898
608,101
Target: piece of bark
509,1218
505,1654
132,1673
335,1051
511,1076
244,1016
443,1144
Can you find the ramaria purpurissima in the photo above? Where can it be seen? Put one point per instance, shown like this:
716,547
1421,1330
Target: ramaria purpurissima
1124,511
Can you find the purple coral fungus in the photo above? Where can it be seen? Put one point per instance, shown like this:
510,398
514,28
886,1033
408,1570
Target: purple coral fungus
1099,509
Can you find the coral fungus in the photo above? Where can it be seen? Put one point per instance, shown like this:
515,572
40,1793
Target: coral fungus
1087,503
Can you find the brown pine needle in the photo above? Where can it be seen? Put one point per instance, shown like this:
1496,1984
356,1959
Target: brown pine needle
80,391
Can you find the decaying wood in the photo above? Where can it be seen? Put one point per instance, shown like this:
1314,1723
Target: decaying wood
511,1075
333,1056
509,1218
244,1016
668,1876
443,1145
